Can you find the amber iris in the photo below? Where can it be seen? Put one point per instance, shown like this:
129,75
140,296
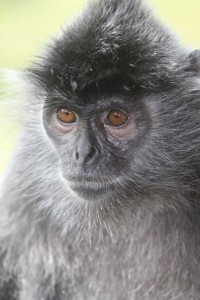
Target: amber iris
66,116
116,118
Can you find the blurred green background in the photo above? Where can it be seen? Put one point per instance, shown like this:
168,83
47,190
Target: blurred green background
25,25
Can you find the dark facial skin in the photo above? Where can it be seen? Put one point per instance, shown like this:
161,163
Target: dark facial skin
96,142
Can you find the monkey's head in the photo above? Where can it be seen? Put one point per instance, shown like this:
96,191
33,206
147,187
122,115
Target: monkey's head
121,106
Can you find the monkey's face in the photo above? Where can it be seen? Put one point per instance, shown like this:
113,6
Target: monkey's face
97,138
117,144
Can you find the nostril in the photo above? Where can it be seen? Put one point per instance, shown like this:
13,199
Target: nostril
76,156
90,155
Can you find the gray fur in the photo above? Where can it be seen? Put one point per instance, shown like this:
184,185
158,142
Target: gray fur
142,241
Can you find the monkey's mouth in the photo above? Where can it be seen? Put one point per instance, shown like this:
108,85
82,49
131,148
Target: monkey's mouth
90,188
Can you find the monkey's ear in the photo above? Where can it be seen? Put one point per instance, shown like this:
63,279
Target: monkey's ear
194,58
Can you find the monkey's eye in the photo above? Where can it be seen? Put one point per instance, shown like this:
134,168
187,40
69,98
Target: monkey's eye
116,118
66,116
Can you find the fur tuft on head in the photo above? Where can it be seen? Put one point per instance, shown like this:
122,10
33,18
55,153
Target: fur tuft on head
110,39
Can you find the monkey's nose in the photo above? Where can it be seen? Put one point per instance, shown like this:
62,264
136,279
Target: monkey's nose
85,155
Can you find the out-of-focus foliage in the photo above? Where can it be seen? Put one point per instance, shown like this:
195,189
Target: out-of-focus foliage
25,25
183,16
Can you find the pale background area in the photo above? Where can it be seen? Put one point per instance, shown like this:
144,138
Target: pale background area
25,25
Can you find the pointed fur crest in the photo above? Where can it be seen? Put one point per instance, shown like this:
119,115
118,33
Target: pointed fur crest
110,39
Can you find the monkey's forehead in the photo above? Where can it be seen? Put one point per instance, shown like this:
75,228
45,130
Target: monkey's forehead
112,38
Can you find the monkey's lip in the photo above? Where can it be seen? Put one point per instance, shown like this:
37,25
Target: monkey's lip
90,188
